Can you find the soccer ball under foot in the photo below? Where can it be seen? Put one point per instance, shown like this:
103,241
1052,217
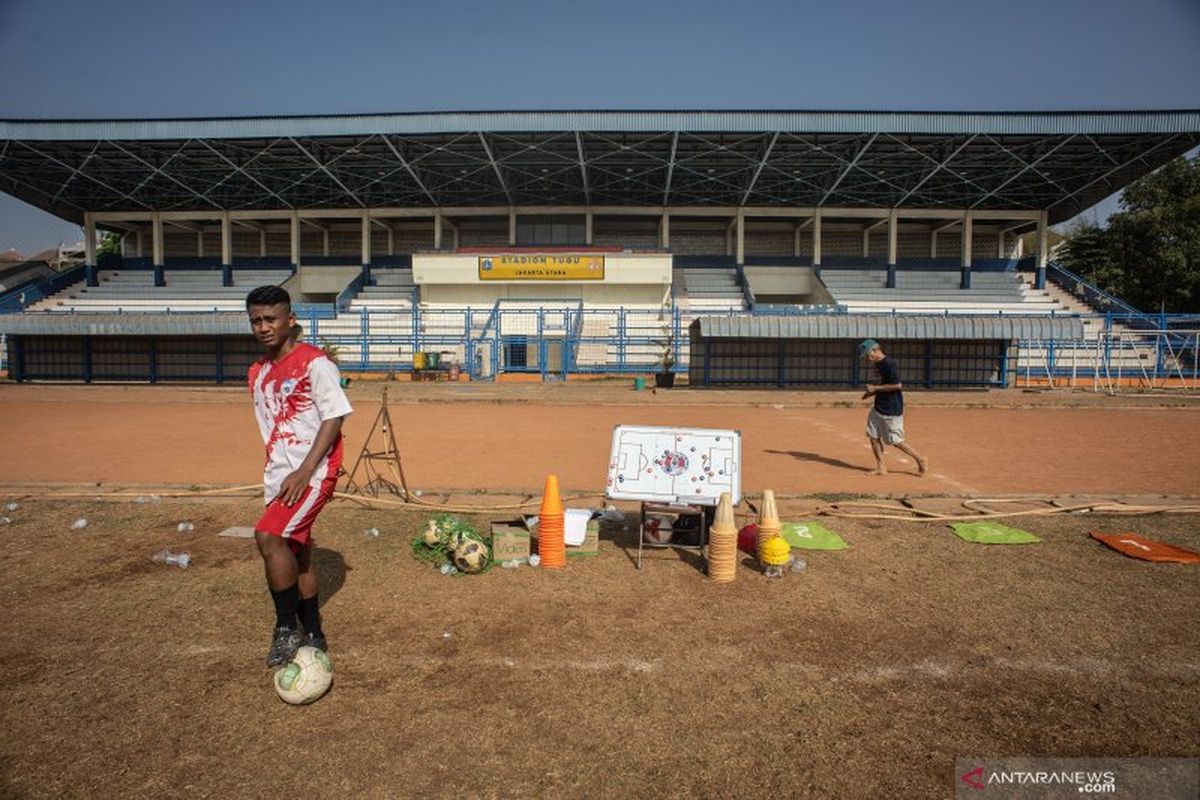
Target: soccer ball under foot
305,678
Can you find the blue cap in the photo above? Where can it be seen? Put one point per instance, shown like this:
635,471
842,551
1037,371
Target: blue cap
865,346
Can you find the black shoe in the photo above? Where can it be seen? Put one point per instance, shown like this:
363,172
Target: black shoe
284,645
312,640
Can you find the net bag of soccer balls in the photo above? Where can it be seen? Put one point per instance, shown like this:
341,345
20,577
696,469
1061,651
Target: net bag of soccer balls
448,540
305,678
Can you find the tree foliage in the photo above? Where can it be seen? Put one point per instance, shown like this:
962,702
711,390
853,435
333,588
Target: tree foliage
1148,253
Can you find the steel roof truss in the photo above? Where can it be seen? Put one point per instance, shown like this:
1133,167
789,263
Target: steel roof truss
495,167
92,178
162,170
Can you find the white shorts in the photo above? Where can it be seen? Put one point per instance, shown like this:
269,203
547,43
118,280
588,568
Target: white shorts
888,429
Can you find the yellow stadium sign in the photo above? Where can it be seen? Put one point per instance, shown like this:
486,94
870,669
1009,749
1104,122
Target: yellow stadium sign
541,267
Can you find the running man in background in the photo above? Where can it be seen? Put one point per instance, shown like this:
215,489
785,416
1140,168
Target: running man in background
300,405
885,421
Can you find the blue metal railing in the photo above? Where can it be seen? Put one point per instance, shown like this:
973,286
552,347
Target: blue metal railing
620,341
26,295
1091,294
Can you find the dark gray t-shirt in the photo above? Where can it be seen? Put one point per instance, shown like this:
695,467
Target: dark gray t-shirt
890,404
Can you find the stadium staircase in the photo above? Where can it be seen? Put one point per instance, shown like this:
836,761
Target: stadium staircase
937,292
133,291
1125,350
384,311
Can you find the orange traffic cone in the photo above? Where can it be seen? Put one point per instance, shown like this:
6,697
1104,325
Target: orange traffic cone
552,549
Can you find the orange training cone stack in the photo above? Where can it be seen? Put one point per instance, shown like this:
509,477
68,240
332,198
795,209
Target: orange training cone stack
552,549
722,543
768,522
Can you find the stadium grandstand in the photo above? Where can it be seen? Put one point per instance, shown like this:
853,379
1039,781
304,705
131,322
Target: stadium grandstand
733,247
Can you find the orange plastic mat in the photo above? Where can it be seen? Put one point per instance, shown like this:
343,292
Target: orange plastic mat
1135,546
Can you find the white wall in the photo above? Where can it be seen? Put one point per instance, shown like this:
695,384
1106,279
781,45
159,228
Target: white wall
780,280
484,295
619,268
642,279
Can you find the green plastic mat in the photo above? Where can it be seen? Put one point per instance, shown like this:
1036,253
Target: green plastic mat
992,533
810,536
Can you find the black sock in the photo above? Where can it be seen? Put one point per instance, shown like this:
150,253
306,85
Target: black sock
286,602
310,615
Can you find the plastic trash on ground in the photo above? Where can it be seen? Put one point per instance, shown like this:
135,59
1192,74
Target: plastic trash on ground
165,556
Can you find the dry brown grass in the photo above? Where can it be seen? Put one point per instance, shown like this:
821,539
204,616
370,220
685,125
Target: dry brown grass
863,677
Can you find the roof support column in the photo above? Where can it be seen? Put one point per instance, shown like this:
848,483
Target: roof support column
933,234
325,242
967,238
892,260
587,226
866,242
89,249
1000,252
512,227
295,236
729,237
262,242
200,242
1043,250
160,279
816,258
741,236
391,245
226,250
664,231
893,225
366,248
140,244
437,230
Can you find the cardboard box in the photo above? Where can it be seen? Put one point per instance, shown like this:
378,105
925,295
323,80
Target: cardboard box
590,546
591,542
510,541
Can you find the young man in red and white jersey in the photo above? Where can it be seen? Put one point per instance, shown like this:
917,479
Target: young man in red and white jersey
300,405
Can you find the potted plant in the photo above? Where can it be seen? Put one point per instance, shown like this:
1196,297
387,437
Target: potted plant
331,352
665,377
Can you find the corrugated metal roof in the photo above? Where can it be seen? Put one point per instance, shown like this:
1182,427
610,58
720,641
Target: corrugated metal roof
49,324
732,121
862,326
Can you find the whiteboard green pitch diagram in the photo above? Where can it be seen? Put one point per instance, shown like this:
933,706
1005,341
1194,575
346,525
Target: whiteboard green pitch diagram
674,465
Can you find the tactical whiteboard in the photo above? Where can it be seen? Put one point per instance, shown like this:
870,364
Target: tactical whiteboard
674,465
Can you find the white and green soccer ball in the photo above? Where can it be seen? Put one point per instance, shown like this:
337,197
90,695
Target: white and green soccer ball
305,678
471,556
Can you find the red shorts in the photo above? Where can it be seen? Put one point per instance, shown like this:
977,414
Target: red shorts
294,523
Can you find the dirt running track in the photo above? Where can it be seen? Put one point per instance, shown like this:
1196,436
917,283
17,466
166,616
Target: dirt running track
501,437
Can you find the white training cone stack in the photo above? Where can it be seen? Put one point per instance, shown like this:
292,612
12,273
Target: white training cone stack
722,543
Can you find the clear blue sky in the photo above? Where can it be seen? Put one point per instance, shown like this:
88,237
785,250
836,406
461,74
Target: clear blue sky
136,58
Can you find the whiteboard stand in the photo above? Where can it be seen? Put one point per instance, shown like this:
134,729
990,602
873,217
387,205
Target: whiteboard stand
679,511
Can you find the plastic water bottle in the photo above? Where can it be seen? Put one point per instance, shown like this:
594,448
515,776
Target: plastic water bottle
534,559
186,527
448,568
13,506
5,521
79,524
798,564
165,556
512,563
371,533
141,499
